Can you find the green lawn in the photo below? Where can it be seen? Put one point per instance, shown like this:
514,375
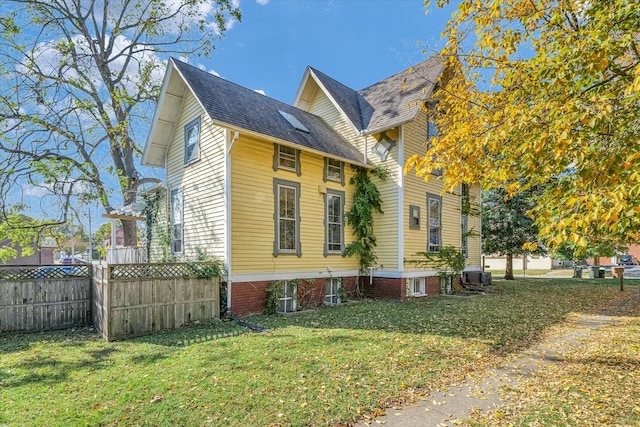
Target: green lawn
321,367
519,273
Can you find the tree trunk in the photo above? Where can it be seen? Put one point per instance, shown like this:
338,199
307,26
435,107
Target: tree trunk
130,232
508,274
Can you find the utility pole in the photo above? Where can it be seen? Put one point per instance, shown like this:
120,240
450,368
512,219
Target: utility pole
90,238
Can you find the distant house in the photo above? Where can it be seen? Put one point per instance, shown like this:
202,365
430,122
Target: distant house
520,262
119,239
42,255
264,185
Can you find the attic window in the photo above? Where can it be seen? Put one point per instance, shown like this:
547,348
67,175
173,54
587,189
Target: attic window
293,121
383,146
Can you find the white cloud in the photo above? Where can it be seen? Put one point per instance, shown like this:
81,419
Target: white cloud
262,2
215,73
260,91
36,191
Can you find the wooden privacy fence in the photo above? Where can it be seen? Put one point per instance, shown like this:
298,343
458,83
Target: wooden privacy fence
36,298
120,301
137,299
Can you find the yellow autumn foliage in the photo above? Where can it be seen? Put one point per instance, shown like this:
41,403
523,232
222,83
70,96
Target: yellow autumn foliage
544,94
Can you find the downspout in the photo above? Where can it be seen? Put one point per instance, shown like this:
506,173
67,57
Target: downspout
366,145
401,199
227,211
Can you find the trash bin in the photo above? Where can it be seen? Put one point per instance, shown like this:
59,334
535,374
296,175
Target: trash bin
577,273
601,272
617,272
594,272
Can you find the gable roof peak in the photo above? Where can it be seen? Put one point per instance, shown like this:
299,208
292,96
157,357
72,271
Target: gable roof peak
384,104
231,105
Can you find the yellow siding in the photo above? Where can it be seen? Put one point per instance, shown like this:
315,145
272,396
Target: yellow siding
415,193
202,182
252,206
322,106
386,225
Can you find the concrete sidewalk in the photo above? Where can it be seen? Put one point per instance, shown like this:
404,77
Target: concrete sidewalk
450,407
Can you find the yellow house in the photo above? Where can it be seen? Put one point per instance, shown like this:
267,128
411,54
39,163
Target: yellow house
265,186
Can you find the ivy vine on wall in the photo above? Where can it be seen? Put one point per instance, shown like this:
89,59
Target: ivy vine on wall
150,212
366,202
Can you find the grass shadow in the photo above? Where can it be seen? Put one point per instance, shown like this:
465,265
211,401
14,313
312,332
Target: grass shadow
11,342
53,369
193,334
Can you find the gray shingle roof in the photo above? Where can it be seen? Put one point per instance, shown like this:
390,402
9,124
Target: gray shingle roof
390,98
350,101
385,104
228,103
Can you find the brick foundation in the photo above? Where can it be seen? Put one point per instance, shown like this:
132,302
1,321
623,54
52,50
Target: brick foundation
385,288
250,297
432,285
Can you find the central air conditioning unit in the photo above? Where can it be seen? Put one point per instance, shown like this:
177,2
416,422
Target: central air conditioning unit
477,278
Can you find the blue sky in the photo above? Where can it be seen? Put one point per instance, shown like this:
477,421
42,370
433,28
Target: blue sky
357,42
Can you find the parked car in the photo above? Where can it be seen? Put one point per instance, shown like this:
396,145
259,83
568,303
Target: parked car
53,271
627,260
69,260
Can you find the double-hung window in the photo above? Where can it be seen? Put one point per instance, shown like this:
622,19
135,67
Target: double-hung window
192,141
177,219
332,290
287,217
464,219
434,208
433,133
334,222
333,170
286,158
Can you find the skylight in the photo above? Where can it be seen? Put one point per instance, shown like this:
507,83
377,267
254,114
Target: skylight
293,121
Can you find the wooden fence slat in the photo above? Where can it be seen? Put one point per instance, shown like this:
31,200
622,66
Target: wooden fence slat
120,301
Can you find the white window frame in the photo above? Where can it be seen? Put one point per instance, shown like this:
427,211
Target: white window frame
333,247
434,223
417,286
177,221
192,132
332,290
288,296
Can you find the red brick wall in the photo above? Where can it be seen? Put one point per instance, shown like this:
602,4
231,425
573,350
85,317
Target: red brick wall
250,297
433,285
385,288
